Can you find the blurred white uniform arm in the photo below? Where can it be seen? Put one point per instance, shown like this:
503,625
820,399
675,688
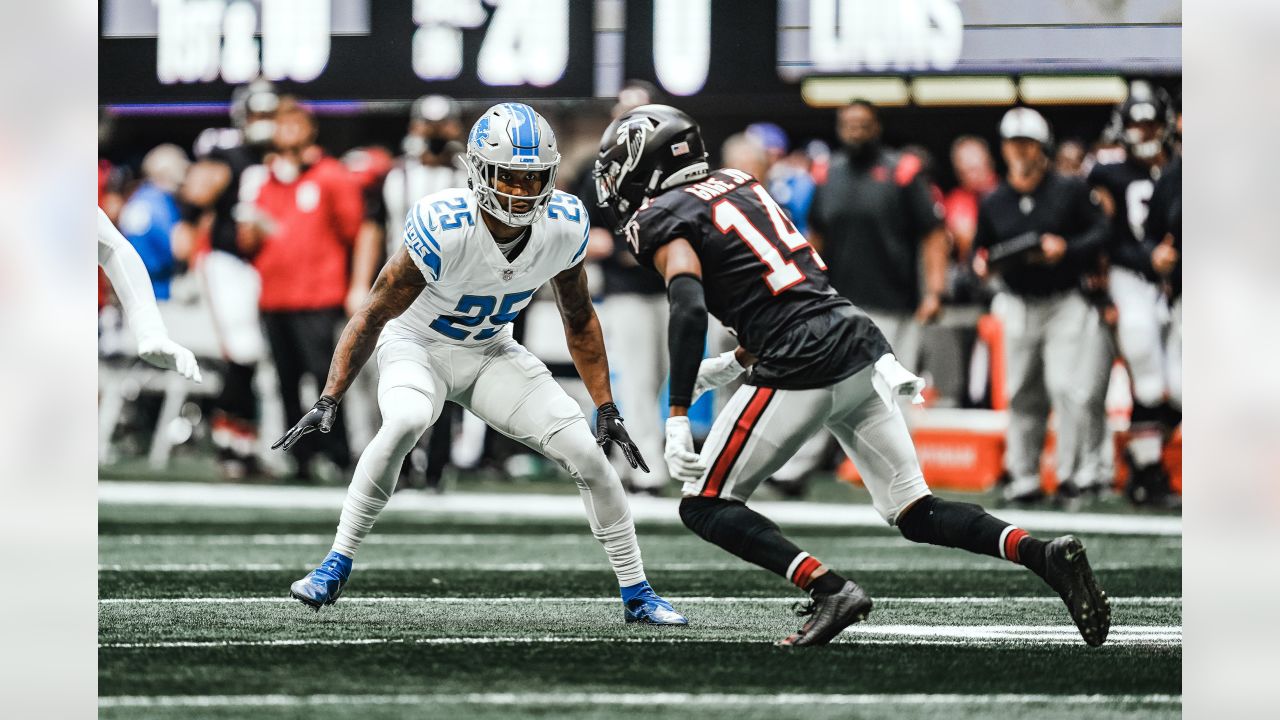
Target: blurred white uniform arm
132,285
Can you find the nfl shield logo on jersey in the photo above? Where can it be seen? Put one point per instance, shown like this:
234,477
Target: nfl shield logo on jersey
506,274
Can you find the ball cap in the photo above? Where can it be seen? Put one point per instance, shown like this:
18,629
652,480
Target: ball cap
1022,122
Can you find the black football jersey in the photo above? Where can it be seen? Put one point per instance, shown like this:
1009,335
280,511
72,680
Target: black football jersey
1130,184
762,280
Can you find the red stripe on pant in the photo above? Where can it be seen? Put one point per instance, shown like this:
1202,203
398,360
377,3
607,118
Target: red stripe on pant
737,440
1011,543
804,572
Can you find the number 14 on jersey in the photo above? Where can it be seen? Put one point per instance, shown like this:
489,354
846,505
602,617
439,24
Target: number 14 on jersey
783,273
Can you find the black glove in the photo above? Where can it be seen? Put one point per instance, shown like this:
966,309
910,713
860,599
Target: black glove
320,417
609,428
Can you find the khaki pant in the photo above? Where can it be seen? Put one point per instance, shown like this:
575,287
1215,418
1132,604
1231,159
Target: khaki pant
1055,350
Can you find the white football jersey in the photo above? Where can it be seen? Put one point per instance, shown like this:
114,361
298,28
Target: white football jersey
473,293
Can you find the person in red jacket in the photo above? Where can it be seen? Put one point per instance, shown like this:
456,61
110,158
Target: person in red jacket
301,234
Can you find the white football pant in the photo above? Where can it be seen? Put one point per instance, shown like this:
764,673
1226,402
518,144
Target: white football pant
761,428
503,384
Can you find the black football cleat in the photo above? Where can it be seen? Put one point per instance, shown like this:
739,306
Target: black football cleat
1067,571
829,614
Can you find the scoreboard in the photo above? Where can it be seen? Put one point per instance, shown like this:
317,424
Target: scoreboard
197,50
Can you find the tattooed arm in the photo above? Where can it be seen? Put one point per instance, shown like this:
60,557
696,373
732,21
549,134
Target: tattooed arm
397,286
582,331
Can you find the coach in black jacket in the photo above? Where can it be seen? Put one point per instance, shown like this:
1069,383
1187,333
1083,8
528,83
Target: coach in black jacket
1041,232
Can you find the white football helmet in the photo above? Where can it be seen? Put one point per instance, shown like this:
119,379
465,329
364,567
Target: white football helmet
511,136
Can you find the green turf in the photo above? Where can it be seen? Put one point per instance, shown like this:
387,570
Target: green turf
446,578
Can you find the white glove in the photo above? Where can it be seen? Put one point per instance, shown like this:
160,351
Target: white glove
715,372
683,463
891,380
169,355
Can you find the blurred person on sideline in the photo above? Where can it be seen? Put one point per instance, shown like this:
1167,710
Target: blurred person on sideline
220,188
428,163
879,227
744,152
1041,233
788,181
633,312
132,286
149,215
1071,159
301,239
975,179
1145,124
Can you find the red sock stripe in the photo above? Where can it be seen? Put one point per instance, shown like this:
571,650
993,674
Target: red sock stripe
805,572
1011,543
737,440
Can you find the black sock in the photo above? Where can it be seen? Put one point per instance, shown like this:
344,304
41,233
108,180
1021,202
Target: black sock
752,537
1031,554
969,527
827,583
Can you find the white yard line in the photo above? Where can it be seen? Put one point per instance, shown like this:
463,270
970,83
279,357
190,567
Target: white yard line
854,567
627,699
863,633
569,507
690,600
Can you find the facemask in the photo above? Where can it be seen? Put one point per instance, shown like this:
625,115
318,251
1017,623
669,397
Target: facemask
1143,150
285,170
416,145
413,145
259,132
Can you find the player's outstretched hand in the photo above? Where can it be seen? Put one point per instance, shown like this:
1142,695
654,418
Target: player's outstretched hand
319,417
169,355
683,463
717,371
609,428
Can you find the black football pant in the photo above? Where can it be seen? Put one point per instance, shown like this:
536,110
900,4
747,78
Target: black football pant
302,343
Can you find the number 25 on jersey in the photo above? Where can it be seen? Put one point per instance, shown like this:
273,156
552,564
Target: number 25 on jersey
475,309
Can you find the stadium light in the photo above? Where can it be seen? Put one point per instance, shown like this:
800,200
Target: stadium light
974,90
1072,89
837,91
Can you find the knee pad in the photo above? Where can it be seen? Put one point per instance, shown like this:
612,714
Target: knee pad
406,414
575,450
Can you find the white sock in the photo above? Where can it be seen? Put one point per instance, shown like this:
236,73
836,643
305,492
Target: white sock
605,501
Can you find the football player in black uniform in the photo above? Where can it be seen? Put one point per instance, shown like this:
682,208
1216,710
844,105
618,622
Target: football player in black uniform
725,247
1144,122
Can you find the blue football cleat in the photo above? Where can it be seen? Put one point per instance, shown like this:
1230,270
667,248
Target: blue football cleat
640,604
323,585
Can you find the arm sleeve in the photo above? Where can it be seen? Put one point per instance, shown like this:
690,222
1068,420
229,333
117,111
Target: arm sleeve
686,335
129,279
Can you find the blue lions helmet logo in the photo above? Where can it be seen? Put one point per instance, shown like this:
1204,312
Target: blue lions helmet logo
480,133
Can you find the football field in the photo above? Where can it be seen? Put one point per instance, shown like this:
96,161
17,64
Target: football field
453,611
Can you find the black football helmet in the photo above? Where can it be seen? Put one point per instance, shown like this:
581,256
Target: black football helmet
1147,107
645,151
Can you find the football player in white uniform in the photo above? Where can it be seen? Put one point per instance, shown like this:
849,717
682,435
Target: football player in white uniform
132,285
438,317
